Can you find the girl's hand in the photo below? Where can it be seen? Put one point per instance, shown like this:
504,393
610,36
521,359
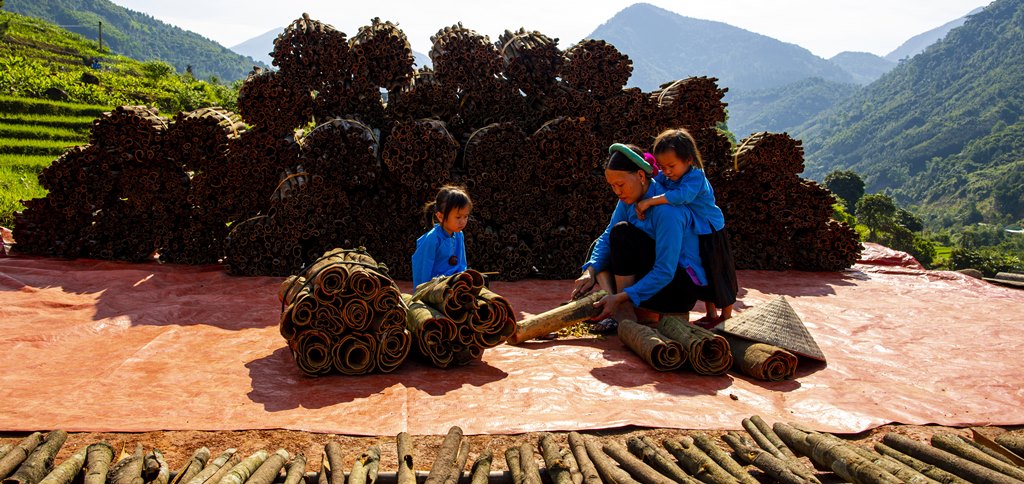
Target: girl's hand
583,284
612,304
642,207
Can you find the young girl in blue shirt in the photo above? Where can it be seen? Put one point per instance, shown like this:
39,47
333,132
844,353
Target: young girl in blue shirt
682,175
442,250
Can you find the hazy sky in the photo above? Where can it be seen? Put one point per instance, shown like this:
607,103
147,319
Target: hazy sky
825,27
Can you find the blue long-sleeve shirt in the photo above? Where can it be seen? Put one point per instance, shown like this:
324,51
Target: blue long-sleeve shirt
694,190
433,251
675,245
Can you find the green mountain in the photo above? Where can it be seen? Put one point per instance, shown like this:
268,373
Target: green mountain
918,43
944,129
865,67
139,36
665,46
782,109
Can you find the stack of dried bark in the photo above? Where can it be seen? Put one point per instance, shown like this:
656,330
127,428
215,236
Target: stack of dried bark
344,314
523,125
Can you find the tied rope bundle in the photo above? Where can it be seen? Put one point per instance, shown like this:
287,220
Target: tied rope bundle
454,319
343,313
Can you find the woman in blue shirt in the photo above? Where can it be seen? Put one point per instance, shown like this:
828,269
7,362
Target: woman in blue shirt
652,263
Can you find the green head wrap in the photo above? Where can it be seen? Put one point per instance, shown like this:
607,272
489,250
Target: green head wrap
638,160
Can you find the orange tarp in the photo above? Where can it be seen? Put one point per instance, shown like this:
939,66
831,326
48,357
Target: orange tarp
106,346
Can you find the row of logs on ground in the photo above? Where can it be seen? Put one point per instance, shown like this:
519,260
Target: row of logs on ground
343,314
318,159
763,454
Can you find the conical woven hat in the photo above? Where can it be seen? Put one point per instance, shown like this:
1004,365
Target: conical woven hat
775,323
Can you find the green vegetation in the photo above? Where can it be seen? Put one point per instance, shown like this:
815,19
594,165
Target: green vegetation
36,57
783,109
140,36
847,185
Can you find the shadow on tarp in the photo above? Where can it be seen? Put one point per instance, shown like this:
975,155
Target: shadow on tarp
148,294
278,385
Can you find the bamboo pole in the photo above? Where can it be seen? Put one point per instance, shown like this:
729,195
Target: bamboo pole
577,445
750,453
647,451
961,467
406,470
555,319
559,471
97,462
481,470
704,443
13,458
68,470
605,466
446,456
955,445
214,467
932,472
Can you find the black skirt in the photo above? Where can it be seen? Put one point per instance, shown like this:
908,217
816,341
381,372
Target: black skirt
719,267
633,254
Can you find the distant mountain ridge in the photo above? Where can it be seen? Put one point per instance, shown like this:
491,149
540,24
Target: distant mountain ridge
945,129
918,43
139,36
665,46
865,67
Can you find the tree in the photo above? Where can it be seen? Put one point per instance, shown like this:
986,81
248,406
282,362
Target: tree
878,213
907,219
847,185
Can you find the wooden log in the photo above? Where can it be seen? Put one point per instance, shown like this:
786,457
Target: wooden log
924,468
98,457
193,467
335,471
361,467
706,444
696,462
559,471
1014,441
767,431
514,467
555,319
268,471
647,451
244,469
605,465
479,474
835,454
955,445
899,470
214,467
406,469
4,449
460,463
577,444
527,461
750,453
635,467
574,468
163,473
68,470
296,470
961,467
129,469
40,462
446,456
762,440
13,458
990,447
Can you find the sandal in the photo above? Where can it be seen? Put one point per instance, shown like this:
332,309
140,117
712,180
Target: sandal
604,326
707,322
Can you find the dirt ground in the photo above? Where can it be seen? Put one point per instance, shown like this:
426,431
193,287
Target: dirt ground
178,446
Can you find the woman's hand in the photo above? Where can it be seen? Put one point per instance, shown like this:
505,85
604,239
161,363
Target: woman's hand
583,284
613,304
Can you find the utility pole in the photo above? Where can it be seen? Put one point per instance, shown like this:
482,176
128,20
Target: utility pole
101,37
